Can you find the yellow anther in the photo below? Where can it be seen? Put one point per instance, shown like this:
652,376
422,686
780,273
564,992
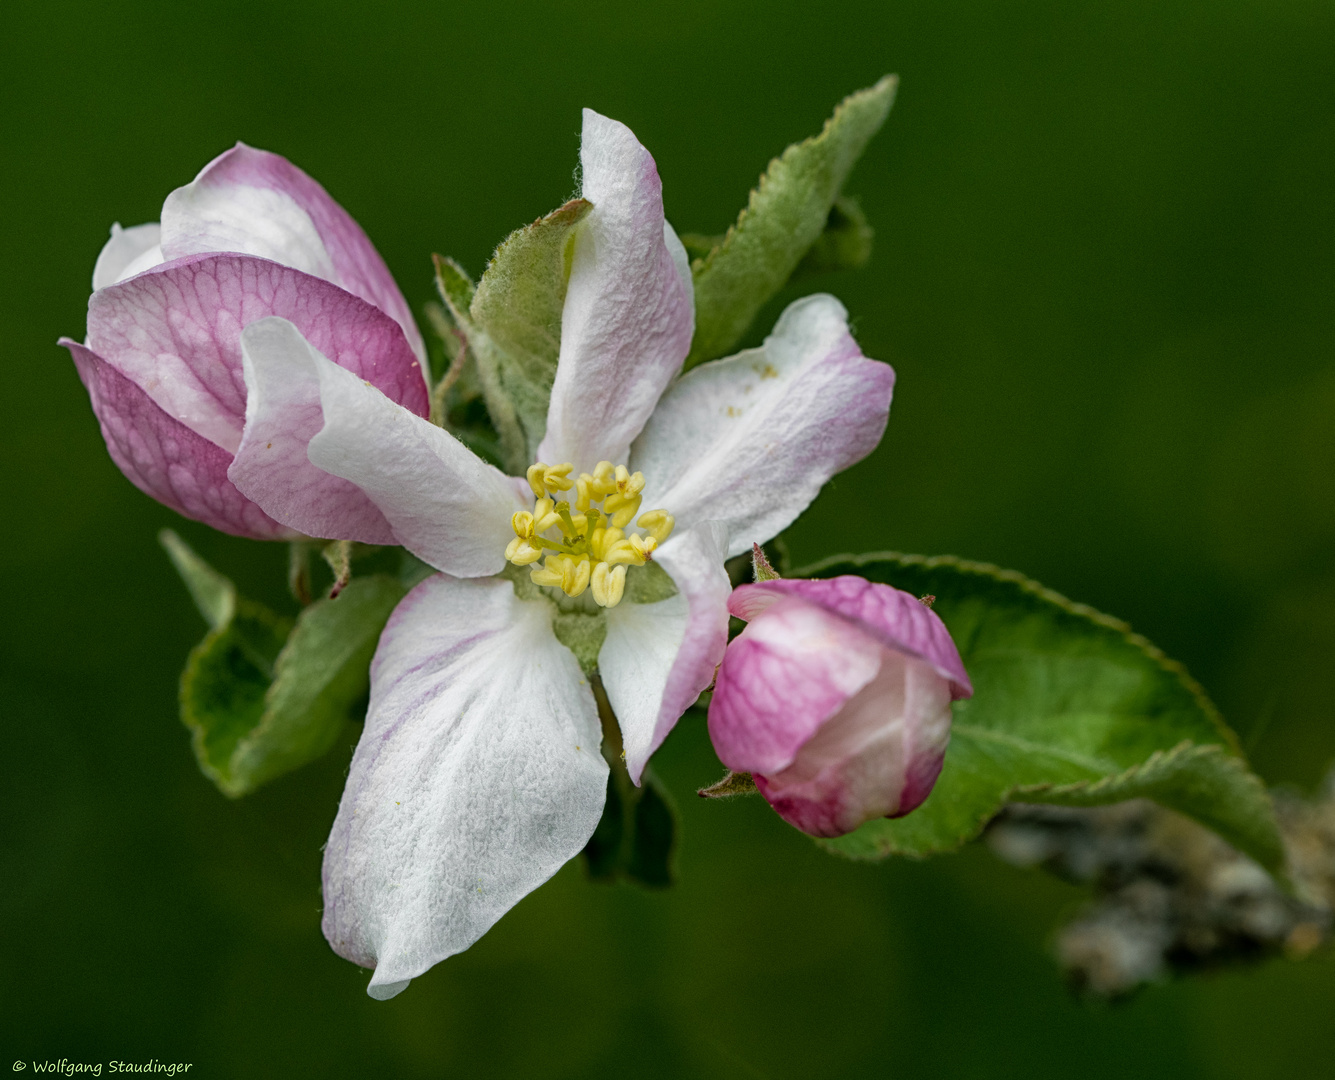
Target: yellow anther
644,546
602,541
608,584
658,524
624,551
576,579
546,575
546,479
545,515
604,478
534,475
583,545
520,552
623,508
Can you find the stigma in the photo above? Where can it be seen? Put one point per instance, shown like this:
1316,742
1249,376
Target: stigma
587,542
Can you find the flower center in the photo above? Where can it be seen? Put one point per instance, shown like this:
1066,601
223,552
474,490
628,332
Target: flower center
587,546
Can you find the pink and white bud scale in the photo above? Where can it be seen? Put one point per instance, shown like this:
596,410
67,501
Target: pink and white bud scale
837,699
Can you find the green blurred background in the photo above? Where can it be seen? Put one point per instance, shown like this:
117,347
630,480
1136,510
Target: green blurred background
1104,273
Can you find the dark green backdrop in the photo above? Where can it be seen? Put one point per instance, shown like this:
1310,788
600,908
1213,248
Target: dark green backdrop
1104,271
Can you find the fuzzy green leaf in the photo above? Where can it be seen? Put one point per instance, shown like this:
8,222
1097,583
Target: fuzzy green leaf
786,214
513,325
263,696
1069,707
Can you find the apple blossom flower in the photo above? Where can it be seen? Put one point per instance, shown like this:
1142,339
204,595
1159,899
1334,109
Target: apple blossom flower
252,236
479,773
836,699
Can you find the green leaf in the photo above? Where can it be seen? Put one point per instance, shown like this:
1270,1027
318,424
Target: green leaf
786,214
1069,707
844,245
512,323
262,695
213,594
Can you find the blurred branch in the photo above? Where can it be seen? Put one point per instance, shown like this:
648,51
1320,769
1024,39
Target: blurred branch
1169,895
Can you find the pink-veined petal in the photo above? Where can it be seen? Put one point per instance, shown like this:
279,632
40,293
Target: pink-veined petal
444,503
628,317
895,618
283,414
176,333
751,440
477,776
257,203
165,459
657,658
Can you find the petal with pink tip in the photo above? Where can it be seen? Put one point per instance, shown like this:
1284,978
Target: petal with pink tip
165,459
176,333
783,677
445,504
751,440
657,658
477,776
253,202
283,414
628,317
895,618
877,757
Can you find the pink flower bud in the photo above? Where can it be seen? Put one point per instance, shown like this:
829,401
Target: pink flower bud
836,698
252,237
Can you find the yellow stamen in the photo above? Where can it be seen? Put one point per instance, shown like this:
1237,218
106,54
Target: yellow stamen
583,545
657,523
608,584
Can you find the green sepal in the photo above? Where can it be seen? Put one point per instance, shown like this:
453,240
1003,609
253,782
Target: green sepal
1070,707
512,325
263,695
785,216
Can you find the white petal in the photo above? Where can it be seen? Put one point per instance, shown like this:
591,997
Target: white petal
283,414
682,262
477,777
128,252
658,657
202,218
628,318
445,504
751,440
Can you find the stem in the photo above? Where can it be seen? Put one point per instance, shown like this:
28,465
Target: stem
446,384
299,571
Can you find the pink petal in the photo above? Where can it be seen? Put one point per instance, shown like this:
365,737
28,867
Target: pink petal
165,459
892,616
782,678
256,203
877,757
657,658
752,439
628,318
283,414
175,332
